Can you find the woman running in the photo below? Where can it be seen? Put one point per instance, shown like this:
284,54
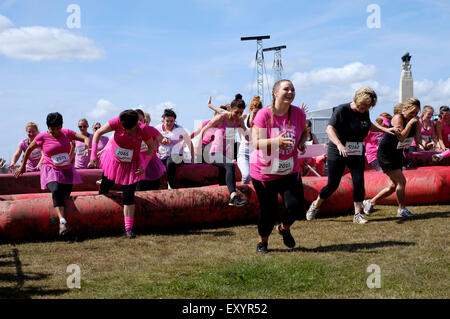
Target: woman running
222,148
120,162
33,161
278,134
348,126
390,156
57,173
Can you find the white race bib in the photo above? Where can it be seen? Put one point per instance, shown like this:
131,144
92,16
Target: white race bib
406,143
354,148
36,154
282,167
144,147
80,150
123,154
60,160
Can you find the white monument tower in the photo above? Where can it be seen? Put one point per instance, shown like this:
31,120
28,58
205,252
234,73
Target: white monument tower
406,80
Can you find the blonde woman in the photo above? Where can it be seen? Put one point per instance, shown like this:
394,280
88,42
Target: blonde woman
390,156
34,161
428,140
348,127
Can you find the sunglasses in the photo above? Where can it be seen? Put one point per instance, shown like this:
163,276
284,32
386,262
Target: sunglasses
82,126
96,128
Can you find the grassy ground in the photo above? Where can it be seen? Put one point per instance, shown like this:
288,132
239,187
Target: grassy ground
329,261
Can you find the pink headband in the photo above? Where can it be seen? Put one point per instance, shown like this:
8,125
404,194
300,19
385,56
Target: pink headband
386,121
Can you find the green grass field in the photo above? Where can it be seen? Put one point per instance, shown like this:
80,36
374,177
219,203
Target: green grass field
330,261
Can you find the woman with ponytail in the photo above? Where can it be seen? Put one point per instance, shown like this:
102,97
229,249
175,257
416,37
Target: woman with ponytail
222,148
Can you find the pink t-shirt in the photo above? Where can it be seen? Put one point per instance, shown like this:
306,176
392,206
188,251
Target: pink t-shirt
208,136
425,134
82,161
265,166
35,155
372,141
56,150
224,137
126,148
445,133
154,133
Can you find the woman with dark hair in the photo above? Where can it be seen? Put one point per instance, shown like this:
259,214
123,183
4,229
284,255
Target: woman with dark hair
443,128
222,148
347,128
170,149
120,162
278,134
311,138
57,172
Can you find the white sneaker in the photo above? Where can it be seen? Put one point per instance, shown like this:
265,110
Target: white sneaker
312,211
367,207
63,229
359,219
437,157
404,212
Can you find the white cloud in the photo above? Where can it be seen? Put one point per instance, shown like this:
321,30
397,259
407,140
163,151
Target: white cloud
5,23
431,93
104,109
41,43
349,73
156,111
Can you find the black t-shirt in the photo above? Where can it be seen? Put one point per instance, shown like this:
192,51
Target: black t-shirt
389,142
350,125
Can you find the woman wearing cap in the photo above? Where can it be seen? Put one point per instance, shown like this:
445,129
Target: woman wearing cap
120,162
390,156
278,135
32,164
57,172
347,128
222,147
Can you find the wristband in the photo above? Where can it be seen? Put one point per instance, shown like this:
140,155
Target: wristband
94,151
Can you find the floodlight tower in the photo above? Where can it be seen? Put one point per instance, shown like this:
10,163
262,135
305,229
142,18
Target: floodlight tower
277,65
259,62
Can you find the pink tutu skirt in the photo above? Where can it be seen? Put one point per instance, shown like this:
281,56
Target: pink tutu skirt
120,172
155,169
62,176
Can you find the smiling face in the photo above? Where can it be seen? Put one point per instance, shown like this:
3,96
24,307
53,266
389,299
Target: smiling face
32,132
83,126
168,122
284,93
411,113
236,113
55,131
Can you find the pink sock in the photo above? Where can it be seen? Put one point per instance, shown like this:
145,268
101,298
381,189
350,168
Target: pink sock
446,153
129,221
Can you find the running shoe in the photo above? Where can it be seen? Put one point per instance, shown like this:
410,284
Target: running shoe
359,219
129,234
437,157
63,229
312,211
367,207
288,240
237,201
404,212
261,248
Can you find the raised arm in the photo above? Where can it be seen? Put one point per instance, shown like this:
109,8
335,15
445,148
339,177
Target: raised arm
15,157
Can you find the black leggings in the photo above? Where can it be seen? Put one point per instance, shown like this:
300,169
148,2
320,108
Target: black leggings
171,168
290,188
128,190
336,166
227,172
59,192
145,185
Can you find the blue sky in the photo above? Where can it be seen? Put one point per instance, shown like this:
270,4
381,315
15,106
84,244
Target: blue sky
157,54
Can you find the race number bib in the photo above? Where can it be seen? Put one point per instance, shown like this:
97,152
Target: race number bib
80,150
60,160
282,167
354,148
36,154
144,147
123,154
405,144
